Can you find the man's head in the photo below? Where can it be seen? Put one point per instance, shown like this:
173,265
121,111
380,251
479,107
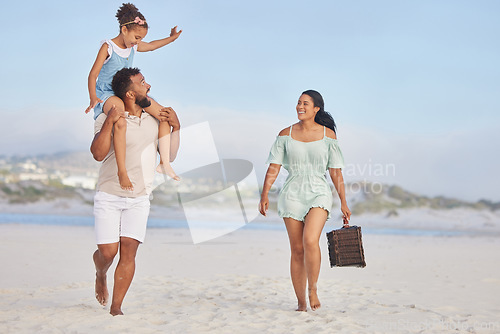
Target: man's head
128,83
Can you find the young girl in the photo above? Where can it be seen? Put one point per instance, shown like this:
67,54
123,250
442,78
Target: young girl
306,149
114,55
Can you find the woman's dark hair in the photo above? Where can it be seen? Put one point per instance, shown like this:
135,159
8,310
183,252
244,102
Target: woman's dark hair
322,117
127,16
121,81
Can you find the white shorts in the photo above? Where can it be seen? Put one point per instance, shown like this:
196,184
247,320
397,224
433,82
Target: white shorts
117,217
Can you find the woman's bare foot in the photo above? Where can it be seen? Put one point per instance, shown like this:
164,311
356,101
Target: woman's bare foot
168,170
125,181
313,299
302,307
115,311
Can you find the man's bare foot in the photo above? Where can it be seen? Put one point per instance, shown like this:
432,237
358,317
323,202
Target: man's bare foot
101,287
301,307
313,299
101,290
125,181
168,170
115,311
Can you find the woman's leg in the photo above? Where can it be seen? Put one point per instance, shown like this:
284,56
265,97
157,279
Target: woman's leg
297,266
313,226
119,141
163,141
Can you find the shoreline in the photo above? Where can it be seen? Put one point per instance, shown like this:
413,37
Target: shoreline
368,226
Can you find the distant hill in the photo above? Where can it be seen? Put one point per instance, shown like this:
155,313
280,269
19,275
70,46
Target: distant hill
363,197
390,198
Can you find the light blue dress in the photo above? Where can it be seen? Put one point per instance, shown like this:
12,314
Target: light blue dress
306,186
113,64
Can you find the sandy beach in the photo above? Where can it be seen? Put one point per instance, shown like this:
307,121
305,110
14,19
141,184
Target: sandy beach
239,283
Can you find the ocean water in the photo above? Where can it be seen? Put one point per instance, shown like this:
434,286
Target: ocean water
39,219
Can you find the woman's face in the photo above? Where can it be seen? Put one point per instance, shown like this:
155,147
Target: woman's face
305,108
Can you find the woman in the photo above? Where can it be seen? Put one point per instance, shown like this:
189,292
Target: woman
306,150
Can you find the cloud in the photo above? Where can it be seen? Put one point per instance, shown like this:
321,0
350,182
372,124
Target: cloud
458,164
32,131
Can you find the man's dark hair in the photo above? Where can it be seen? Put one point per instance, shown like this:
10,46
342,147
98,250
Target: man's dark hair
121,81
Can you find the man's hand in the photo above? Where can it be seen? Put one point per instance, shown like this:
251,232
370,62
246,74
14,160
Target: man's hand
114,115
168,115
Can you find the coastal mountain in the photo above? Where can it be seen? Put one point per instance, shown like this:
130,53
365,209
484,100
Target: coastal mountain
64,183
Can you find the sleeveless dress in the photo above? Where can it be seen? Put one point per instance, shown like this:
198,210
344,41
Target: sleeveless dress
118,58
306,186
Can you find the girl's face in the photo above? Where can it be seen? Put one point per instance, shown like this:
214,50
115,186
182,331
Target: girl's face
305,108
132,37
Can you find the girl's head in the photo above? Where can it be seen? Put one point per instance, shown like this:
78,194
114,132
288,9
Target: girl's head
311,104
133,25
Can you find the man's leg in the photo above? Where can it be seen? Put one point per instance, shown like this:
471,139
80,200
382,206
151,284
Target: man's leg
124,273
103,258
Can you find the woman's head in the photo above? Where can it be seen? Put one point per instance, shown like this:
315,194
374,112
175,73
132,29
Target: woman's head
313,101
133,25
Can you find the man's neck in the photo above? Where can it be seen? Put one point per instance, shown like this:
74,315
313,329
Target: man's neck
133,109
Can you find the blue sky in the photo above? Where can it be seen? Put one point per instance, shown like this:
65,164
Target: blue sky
411,84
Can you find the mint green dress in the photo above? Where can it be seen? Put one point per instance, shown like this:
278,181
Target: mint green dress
306,186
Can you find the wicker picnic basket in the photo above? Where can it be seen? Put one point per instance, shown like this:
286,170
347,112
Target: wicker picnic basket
345,247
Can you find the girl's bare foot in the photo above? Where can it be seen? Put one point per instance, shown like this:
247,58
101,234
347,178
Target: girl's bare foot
313,299
168,170
125,181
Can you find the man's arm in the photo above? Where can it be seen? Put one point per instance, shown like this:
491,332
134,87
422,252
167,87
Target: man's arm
102,140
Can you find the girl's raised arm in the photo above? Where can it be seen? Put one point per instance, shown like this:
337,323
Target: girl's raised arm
153,45
94,73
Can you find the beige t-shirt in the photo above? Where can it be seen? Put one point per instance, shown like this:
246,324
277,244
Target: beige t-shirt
140,158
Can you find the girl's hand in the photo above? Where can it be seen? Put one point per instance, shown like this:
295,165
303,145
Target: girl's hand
263,205
346,214
93,103
174,33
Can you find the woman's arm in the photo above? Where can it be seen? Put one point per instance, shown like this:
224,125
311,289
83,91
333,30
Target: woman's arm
338,182
153,45
94,73
271,175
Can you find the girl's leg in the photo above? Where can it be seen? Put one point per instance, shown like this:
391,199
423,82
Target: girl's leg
119,141
295,230
164,149
163,141
313,226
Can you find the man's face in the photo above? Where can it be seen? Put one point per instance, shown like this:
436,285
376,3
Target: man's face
141,89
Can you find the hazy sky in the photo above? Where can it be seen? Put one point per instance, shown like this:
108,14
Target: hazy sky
412,85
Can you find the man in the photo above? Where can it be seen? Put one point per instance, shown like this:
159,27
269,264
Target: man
121,215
